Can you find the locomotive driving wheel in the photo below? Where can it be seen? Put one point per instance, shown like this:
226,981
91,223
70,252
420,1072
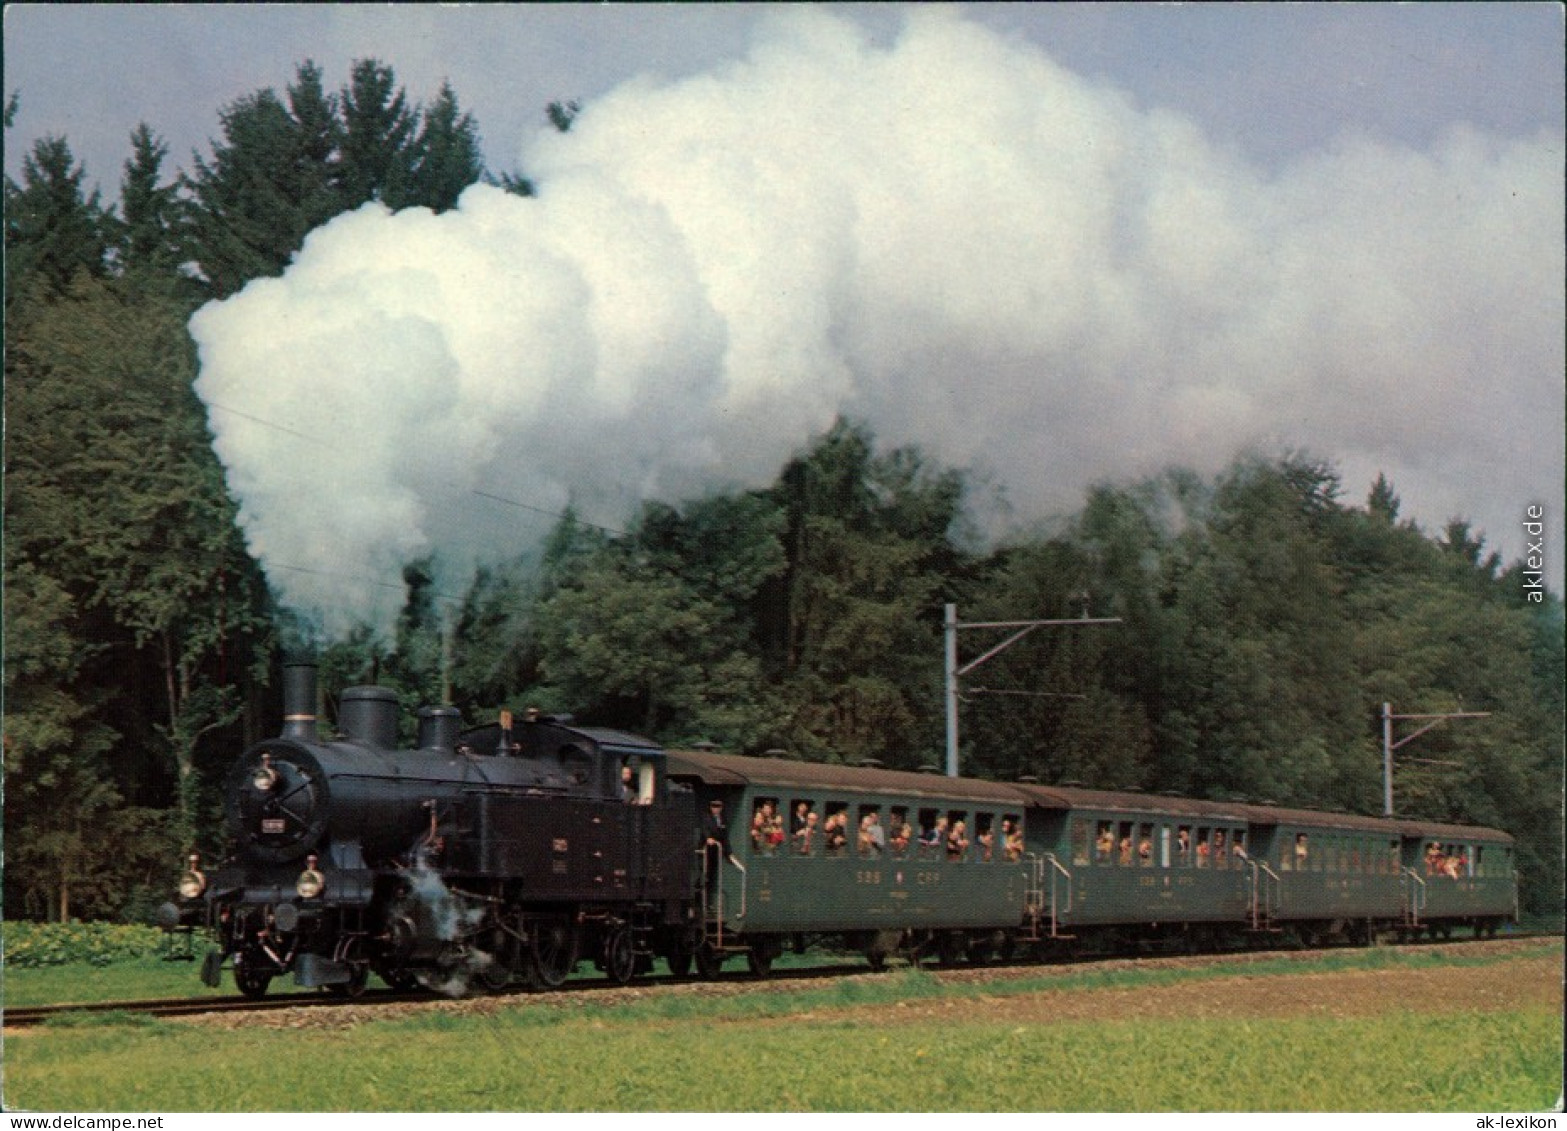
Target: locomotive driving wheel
620,954
495,961
679,960
552,952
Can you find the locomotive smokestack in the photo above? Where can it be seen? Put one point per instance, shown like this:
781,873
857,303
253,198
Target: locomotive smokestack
299,701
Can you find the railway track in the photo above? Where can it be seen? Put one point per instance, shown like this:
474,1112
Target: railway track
27,1016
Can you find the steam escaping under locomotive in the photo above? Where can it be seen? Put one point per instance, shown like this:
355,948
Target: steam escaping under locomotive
517,850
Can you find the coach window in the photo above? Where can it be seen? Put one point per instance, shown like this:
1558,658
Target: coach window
1183,846
1124,848
1480,860
985,837
1080,842
1221,848
835,829
900,834
958,839
1012,837
1145,845
1164,846
1104,843
766,826
870,836
933,833
805,827
1204,850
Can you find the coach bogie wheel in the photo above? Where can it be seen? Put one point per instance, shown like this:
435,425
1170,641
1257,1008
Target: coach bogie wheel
761,955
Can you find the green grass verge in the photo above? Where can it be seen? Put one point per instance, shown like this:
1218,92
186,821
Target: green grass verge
134,980
1402,1062
767,1052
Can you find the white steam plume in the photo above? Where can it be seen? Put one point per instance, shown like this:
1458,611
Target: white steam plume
951,237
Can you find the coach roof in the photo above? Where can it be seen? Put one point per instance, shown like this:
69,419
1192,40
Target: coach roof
732,769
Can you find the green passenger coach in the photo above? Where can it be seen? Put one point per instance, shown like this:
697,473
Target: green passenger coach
880,858
881,861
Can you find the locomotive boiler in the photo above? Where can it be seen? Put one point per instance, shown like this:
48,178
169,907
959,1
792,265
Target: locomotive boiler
509,850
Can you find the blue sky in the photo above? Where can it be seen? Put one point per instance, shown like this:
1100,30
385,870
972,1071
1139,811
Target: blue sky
1273,80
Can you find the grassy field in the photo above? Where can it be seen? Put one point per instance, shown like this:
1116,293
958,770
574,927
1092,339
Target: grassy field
860,1044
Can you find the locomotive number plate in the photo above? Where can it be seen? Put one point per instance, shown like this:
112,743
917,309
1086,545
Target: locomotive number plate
273,824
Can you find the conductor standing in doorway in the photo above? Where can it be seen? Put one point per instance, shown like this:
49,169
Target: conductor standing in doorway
716,838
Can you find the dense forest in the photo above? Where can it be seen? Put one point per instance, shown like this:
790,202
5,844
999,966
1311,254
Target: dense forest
1265,616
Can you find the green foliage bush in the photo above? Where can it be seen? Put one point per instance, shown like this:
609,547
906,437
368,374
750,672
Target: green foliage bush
62,944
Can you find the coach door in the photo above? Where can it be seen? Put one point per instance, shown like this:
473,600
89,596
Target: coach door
1265,894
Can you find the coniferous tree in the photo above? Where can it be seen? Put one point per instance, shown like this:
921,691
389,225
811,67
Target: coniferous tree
446,157
377,139
55,229
150,244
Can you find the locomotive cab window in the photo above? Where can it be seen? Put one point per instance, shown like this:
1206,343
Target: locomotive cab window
805,826
638,781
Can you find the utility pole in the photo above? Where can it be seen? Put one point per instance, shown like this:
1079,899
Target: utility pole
953,672
1388,745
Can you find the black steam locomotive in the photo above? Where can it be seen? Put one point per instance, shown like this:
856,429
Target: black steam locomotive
511,850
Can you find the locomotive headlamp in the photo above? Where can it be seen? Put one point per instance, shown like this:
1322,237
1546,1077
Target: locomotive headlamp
192,882
311,883
265,777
